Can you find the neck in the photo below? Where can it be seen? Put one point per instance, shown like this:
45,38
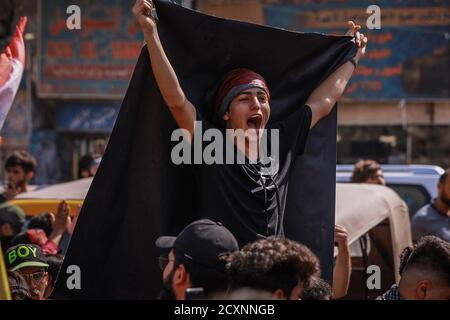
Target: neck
250,153
402,290
249,149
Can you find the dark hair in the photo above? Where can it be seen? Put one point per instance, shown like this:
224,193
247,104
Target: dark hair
211,280
18,286
404,256
85,163
7,23
443,177
12,215
272,264
317,289
42,221
54,265
431,255
22,159
364,169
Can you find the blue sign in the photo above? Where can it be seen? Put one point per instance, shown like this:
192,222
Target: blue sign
87,117
96,60
408,58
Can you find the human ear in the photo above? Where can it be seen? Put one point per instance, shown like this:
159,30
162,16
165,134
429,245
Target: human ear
422,290
46,279
279,295
30,175
180,275
226,117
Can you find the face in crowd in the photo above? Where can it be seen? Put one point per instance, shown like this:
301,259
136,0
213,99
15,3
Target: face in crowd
37,280
242,101
444,191
167,265
17,176
249,110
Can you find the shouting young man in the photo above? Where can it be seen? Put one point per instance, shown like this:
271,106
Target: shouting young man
248,198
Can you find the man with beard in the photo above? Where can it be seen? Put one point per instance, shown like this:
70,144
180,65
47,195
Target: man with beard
424,272
196,259
30,262
433,219
20,168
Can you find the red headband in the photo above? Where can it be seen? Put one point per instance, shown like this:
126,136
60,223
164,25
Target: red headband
234,79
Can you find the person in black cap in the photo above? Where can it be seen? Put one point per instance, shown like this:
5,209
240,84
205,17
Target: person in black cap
30,262
196,258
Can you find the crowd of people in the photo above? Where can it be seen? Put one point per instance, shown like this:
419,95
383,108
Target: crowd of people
205,258
242,251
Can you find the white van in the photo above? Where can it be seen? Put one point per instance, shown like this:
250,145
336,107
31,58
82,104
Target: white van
416,184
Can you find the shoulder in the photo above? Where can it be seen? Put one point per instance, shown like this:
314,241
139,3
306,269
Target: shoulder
423,212
426,215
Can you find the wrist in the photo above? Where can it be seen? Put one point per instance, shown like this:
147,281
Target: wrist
150,32
57,232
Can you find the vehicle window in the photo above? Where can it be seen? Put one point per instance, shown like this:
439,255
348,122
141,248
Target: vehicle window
414,196
355,247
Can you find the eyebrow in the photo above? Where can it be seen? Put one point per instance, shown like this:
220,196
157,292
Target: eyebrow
250,93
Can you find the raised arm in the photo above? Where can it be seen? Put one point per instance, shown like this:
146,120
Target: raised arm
343,267
329,92
181,109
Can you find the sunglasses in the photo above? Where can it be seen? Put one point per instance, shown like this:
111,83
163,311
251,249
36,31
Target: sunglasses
35,277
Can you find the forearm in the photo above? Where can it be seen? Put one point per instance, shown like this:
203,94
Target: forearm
328,93
164,74
56,237
341,274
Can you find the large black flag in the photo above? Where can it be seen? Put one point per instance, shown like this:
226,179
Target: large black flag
138,194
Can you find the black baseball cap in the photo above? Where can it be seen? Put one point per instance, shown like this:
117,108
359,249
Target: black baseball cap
25,255
203,242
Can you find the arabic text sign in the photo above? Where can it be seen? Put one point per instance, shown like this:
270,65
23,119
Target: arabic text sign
409,57
95,61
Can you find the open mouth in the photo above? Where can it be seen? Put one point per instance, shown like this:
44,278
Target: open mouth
254,122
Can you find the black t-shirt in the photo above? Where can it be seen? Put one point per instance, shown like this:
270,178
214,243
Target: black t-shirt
249,199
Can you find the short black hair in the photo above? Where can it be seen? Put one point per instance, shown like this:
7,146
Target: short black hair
272,264
42,221
317,289
54,262
85,163
18,286
211,280
22,159
430,254
443,177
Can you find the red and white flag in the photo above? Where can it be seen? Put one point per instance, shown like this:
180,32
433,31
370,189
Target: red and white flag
12,64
